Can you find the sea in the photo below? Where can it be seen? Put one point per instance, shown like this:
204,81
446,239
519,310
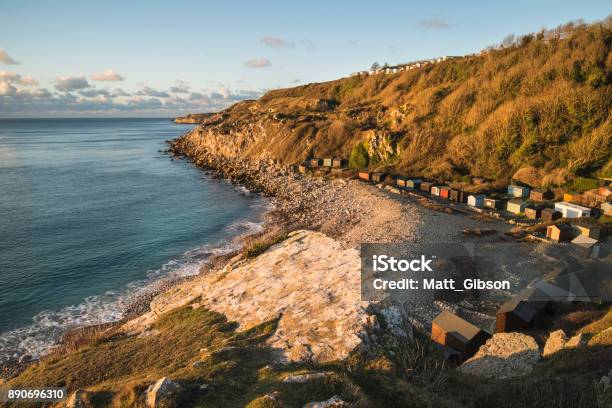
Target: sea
92,213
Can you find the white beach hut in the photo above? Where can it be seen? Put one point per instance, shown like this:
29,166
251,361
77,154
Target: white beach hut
571,210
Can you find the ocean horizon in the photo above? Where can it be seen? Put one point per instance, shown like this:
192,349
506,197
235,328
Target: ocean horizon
92,212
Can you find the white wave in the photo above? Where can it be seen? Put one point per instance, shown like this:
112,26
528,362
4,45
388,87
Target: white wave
47,327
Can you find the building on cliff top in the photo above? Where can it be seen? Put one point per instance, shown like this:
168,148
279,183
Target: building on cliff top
452,331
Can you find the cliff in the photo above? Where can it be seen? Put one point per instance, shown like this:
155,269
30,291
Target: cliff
537,108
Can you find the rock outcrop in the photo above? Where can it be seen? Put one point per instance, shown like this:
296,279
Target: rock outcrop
162,394
309,283
558,341
504,355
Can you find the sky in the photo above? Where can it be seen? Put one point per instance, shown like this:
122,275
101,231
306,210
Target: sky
166,58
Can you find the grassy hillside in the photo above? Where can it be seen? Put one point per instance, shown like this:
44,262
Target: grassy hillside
538,104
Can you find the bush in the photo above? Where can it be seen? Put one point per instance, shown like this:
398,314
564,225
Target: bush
359,158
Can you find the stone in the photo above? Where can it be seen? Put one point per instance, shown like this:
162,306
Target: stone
162,394
334,401
302,378
76,399
505,355
555,342
578,340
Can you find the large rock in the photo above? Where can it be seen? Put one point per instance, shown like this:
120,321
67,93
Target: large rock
504,355
162,394
309,282
556,341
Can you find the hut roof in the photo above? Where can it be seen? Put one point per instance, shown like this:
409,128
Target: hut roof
451,323
523,304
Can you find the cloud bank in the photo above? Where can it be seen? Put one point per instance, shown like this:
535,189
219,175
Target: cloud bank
258,63
275,42
69,84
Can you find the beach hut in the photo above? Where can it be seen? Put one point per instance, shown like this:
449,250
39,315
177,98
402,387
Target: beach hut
572,197
571,210
452,331
413,183
316,162
560,232
591,231
337,162
518,191
476,200
516,206
533,211
494,203
426,186
378,177
444,192
365,175
593,196
435,190
540,194
549,215
520,312
587,247
328,162
400,181
457,196
606,208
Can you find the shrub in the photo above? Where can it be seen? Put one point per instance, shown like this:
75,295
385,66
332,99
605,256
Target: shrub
359,157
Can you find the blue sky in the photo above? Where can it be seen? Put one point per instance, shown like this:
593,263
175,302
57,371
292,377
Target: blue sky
162,58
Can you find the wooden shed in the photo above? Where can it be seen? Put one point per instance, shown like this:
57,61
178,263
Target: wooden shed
328,162
516,206
560,232
316,162
445,192
549,215
494,203
452,331
533,211
571,210
413,183
364,175
591,231
457,196
400,181
540,194
520,312
426,186
572,197
518,191
338,163
476,200
378,177
435,190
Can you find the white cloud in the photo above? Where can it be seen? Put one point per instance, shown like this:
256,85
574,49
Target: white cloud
14,78
434,24
180,87
6,59
6,89
68,84
107,76
275,42
258,63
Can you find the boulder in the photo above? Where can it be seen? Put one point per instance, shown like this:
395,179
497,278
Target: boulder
504,355
76,399
334,401
556,341
578,340
162,394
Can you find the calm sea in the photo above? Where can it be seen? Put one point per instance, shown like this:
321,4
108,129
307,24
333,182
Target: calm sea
91,212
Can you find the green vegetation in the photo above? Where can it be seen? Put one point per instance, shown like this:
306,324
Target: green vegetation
540,102
359,157
582,184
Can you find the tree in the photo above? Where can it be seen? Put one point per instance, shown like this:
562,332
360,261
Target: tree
375,66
